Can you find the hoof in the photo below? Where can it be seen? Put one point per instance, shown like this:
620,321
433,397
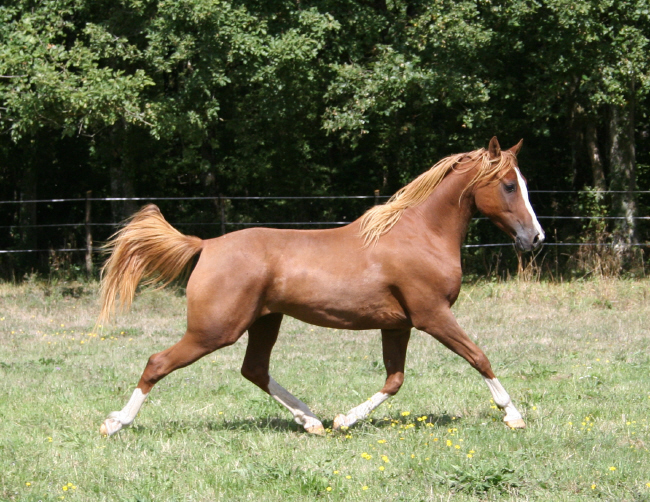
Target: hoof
339,422
110,427
518,423
318,430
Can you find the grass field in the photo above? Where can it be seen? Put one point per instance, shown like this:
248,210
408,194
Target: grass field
574,357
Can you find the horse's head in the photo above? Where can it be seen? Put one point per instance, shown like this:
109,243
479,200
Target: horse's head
504,199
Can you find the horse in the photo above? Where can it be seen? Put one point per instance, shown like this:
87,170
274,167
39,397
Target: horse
396,268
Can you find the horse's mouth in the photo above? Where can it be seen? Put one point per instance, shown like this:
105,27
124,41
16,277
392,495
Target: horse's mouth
528,244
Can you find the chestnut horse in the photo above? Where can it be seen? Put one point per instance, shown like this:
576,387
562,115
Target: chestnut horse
397,267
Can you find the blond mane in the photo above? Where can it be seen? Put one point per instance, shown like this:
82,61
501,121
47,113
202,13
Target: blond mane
380,219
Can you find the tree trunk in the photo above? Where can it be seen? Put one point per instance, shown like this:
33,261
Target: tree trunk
27,215
120,174
576,129
622,158
593,151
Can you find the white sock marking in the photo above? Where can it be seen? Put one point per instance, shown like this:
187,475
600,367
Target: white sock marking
301,412
125,417
129,412
364,409
502,399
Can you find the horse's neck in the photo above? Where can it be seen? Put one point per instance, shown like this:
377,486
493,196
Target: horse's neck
448,210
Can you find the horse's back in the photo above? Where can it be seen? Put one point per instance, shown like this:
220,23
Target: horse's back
324,277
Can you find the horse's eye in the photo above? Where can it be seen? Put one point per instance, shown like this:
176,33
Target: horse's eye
511,187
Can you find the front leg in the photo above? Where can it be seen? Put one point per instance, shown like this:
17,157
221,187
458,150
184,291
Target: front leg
118,419
501,398
444,328
394,343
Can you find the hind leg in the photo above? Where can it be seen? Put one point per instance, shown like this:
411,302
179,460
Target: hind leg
394,344
188,350
262,336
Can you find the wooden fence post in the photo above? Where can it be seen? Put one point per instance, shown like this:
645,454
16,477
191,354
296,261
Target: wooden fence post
89,235
376,197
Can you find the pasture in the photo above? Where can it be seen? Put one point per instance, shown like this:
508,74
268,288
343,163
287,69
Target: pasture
574,357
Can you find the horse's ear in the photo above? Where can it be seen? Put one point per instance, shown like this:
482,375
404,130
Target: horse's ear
515,149
494,149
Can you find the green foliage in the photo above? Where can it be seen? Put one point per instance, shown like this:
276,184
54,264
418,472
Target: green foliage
479,480
55,73
209,97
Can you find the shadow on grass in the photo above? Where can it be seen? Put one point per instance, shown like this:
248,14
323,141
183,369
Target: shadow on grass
418,421
281,425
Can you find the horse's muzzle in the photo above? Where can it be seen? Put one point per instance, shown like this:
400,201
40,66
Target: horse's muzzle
529,240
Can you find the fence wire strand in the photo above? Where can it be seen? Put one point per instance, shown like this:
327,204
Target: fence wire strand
303,223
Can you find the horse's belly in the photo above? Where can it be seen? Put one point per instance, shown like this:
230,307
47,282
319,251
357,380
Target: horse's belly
350,320
334,289
346,312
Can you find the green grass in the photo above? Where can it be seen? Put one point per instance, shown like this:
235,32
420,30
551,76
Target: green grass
574,357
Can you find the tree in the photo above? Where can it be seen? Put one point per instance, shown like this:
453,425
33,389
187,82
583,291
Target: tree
587,65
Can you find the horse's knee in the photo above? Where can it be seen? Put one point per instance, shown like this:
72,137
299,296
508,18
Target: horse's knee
393,383
482,364
154,371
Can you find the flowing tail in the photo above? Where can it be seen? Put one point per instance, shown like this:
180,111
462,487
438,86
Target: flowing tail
146,248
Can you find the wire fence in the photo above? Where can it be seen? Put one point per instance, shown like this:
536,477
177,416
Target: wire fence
88,224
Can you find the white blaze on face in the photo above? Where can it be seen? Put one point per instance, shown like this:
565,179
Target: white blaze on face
524,194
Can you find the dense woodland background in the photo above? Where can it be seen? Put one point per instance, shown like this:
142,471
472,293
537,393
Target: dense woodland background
189,98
